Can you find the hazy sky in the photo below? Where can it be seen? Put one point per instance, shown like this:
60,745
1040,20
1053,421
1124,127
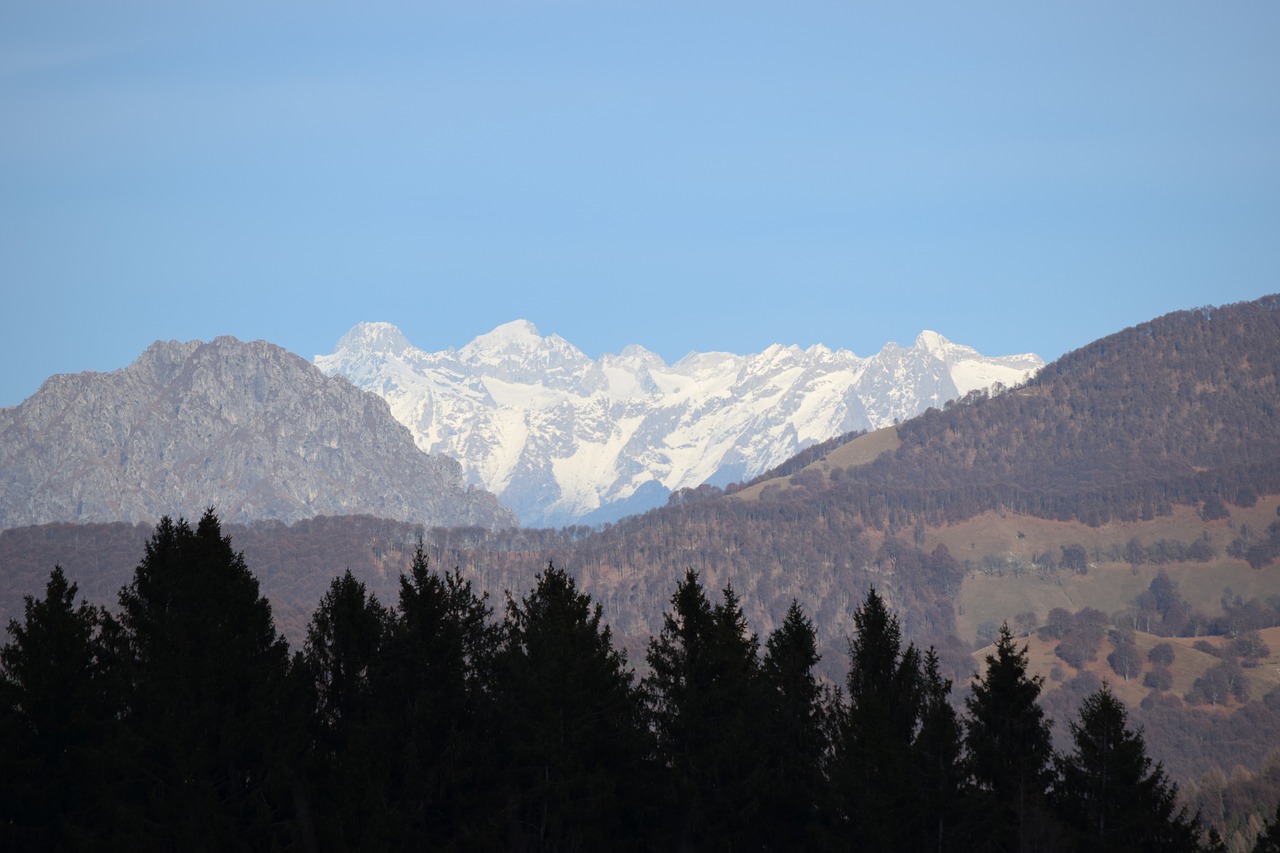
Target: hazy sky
694,175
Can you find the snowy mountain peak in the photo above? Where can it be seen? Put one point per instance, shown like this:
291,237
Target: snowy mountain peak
515,354
564,438
514,338
518,344
636,354
944,350
933,343
374,338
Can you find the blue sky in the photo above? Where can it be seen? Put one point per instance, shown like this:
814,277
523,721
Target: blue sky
1019,177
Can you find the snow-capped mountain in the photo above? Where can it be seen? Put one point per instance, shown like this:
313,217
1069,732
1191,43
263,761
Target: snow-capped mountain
563,438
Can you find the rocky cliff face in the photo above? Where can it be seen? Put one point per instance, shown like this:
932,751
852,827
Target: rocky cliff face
563,438
248,428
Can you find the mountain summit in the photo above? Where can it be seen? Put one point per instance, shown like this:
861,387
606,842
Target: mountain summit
564,438
250,428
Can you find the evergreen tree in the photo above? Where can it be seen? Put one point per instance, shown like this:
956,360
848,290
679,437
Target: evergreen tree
1110,795
433,689
576,745
1009,754
207,751
707,704
795,797
344,638
56,710
873,764
937,754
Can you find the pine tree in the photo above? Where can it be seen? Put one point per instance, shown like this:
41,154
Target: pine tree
937,754
344,638
56,710
1110,795
707,701
205,670
433,687
1010,754
795,797
873,762
572,724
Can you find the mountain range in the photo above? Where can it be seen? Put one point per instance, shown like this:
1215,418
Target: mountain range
1153,449
1130,488
563,438
246,427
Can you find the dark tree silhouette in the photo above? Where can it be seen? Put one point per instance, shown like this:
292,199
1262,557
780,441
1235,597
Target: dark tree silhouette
940,777
796,794
1010,753
205,697
707,703
433,687
873,768
575,742
344,639
56,709
1110,795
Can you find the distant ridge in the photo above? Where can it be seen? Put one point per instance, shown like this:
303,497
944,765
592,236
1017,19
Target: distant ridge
248,428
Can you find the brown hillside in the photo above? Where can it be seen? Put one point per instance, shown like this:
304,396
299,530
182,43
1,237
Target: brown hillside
1188,665
862,450
1002,579
1178,411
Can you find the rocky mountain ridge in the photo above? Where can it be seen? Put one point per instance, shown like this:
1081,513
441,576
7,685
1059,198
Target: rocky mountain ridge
564,438
246,427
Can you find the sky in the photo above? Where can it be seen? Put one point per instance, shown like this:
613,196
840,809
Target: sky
1019,177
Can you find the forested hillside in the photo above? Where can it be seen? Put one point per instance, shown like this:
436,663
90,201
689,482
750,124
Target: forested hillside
765,550
1180,410
177,719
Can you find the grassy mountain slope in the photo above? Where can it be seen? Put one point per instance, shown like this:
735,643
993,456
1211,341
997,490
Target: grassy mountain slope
1176,411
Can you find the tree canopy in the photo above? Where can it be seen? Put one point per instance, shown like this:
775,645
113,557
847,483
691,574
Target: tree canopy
179,721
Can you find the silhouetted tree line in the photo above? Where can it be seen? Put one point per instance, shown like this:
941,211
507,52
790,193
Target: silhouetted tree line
179,720
771,553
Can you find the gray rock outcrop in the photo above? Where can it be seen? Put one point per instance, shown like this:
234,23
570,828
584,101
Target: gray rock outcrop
248,428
